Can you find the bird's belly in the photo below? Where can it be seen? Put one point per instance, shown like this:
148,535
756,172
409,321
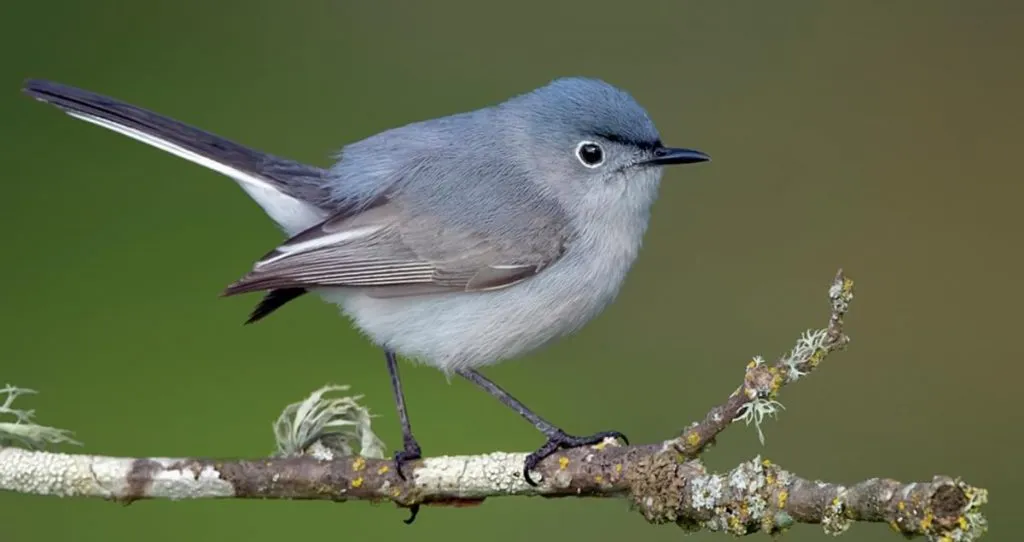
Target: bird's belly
465,330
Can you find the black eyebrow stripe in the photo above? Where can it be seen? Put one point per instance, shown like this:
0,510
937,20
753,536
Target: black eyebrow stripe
645,144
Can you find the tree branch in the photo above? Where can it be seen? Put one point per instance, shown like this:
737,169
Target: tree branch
666,482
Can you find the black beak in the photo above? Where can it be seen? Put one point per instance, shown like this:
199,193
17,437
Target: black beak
665,156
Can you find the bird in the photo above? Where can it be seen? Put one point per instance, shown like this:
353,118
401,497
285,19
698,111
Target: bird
457,242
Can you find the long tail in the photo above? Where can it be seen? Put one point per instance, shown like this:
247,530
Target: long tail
291,193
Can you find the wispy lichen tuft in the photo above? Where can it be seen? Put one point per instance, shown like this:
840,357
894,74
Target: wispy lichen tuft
338,424
755,411
21,431
807,353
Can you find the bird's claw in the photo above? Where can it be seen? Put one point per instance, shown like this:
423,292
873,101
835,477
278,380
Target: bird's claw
410,452
560,440
414,510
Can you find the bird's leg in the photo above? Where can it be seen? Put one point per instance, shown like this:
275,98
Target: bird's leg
410,448
557,439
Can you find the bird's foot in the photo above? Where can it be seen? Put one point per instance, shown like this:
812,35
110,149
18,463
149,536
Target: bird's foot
410,452
560,440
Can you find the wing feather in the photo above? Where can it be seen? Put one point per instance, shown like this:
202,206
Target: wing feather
394,254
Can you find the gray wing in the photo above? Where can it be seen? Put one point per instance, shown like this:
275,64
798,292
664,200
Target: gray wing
393,253
245,165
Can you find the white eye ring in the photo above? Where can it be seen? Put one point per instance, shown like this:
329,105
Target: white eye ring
590,154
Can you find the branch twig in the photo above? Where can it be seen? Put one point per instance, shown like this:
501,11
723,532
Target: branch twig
762,382
665,482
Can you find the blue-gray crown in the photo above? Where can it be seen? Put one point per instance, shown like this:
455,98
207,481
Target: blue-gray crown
592,107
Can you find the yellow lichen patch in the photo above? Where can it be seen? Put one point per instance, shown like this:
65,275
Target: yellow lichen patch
926,522
599,479
358,464
901,505
962,522
776,381
847,285
563,462
358,482
972,494
693,439
601,445
618,468
837,504
382,469
783,497
396,492
895,526
766,462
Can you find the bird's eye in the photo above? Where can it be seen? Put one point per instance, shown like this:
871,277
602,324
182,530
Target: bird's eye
590,154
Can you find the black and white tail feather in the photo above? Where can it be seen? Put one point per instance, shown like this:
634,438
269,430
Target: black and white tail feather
290,192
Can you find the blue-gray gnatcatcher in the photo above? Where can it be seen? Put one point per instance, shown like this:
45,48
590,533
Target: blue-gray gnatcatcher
459,241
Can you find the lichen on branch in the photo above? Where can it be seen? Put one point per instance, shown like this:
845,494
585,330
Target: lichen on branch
326,450
17,427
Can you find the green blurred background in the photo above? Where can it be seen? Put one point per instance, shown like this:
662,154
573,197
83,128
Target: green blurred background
883,137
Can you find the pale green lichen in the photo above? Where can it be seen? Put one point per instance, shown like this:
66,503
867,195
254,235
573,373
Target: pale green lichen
834,520
808,352
706,491
21,431
755,412
841,293
783,521
338,424
748,477
738,501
